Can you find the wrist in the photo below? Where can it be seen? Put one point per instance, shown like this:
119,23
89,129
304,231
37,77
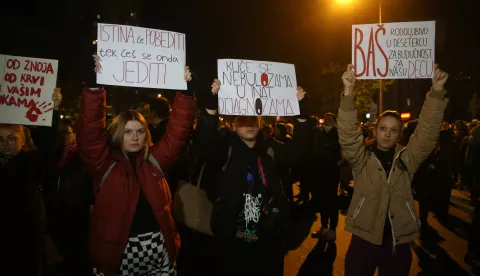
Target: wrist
211,111
348,91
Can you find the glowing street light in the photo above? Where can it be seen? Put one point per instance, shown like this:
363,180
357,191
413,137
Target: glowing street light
343,2
159,96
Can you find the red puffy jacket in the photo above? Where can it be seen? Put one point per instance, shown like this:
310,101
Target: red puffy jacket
117,199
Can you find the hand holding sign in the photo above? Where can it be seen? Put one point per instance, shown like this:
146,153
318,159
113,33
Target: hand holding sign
300,94
439,79
216,86
98,66
57,98
187,76
348,79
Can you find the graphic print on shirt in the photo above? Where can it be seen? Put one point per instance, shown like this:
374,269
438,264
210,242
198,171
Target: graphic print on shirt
250,215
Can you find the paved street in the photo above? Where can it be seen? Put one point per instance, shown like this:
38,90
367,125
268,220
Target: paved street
445,257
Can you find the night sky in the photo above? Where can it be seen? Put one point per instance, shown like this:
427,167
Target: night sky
308,33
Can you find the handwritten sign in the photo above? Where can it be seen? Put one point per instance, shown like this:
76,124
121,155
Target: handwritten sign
394,50
257,88
26,90
141,57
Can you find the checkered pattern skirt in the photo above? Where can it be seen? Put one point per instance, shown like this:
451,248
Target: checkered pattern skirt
145,255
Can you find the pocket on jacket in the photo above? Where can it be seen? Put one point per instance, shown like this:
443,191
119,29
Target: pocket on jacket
363,216
412,212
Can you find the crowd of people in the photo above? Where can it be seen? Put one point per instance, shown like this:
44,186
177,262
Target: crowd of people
89,198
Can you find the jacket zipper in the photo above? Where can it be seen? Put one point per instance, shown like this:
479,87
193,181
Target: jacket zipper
359,206
394,250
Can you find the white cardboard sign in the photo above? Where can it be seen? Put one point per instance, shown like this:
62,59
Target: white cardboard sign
141,57
394,50
27,86
257,88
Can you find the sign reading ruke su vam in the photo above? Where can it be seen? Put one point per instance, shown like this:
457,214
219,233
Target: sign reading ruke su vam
27,86
141,57
394,50
257,88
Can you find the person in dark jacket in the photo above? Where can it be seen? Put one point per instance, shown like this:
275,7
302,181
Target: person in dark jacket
157,113
326,170
472,163
22,168
251,213
132,231
68,194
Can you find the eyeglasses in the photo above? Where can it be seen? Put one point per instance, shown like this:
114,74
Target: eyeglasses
10,140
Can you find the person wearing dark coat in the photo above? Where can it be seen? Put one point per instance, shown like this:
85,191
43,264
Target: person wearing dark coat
22,171
250,217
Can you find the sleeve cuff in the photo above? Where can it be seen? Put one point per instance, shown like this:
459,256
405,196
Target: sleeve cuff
347,103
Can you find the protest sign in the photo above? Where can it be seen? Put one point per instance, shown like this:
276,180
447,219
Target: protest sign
394,50
27,86
141,57
257,88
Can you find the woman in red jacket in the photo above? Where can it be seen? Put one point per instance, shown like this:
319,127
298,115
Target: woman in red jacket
132,231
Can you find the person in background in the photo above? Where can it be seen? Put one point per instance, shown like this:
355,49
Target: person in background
382,217
132,231
22,172
442,166
325,170
289,129
280,133
472,163
157,113
445,125
460,131
68,193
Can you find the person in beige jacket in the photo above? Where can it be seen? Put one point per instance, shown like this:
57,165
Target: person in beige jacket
382,216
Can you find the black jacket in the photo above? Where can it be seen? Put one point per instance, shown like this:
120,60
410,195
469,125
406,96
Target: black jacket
230,184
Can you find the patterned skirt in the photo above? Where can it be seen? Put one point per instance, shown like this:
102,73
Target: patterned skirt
145,255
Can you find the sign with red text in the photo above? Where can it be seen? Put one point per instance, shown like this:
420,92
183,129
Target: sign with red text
141,57
27,86
394,50
257,88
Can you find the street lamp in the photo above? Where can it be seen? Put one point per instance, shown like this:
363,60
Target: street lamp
343,2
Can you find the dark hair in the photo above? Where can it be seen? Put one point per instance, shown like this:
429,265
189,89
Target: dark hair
330,114
389,113
161,107
283,129
408,131
267,129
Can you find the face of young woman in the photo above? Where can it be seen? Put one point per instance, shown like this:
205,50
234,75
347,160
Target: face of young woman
134,137
12,140
387,132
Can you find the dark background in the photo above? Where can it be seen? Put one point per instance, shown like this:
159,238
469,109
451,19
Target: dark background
315,35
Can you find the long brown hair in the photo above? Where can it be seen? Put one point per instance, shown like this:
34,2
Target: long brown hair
116,130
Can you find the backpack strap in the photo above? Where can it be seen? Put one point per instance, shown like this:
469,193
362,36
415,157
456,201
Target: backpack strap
156,164
150,158
102,181
271,153
230,148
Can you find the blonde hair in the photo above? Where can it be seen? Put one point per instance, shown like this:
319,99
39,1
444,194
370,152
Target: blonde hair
116,130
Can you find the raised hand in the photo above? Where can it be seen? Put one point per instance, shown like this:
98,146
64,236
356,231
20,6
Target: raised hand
56,98
98,66
215,86
187,76
439,79
300,93
348,79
